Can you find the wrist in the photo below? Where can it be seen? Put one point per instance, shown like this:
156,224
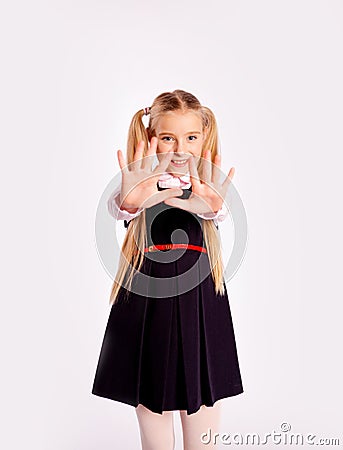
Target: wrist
123,207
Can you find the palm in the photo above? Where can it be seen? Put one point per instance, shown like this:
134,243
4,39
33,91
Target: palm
139,182
207,195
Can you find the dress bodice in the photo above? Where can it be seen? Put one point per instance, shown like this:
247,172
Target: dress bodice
167,224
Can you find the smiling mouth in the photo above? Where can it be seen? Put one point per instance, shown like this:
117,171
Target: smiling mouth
179,162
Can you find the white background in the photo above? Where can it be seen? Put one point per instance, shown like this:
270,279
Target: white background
73,74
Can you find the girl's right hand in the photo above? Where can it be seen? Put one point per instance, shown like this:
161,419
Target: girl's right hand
139,184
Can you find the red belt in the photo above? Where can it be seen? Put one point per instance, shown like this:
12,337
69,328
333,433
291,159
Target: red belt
155,248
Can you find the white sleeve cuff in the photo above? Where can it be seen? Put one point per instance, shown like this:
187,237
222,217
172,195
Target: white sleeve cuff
219,216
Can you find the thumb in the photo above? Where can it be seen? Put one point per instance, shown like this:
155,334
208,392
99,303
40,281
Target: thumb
169,193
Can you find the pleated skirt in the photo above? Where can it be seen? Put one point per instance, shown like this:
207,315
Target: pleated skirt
170,353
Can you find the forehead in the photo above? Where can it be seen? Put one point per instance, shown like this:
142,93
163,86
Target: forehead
178,122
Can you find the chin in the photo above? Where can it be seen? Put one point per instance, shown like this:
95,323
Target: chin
177,172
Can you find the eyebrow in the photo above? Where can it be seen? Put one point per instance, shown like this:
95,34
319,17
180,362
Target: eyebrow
189,132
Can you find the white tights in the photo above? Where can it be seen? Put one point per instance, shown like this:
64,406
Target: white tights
157,430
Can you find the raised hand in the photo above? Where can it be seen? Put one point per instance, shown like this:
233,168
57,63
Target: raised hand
207,194
139,181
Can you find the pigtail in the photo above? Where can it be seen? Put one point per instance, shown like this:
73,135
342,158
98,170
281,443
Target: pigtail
137,132
210,231
132,252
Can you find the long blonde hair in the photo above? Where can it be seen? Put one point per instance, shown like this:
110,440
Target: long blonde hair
132,252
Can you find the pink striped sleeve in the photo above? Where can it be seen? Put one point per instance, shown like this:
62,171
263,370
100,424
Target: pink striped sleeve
219,216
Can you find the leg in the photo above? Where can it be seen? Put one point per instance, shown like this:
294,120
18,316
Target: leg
156,430
194,425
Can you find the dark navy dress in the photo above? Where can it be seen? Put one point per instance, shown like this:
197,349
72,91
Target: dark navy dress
176,352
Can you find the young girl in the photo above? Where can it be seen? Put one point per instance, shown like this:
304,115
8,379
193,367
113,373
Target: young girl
169,343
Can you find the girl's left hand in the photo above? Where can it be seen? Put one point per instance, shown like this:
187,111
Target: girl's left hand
207,195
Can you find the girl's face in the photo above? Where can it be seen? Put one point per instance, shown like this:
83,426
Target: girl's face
183,134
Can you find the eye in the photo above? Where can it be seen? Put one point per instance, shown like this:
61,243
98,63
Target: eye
193,137
166,137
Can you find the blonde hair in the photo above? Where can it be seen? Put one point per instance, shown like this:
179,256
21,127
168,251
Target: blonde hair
132,254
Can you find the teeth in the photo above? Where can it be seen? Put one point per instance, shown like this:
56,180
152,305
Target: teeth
179,162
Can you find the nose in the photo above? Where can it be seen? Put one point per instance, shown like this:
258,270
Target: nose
180,149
